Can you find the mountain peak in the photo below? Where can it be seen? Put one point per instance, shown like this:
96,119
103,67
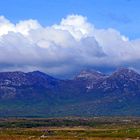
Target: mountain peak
37,73
126,72
42,75
89,74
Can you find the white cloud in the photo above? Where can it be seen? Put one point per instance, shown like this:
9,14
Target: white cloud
5,25
64,48
77,25
24,27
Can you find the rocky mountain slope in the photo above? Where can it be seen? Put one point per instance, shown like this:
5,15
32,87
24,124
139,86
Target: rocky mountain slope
90,93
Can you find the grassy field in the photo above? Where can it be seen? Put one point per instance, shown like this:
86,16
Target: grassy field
102,128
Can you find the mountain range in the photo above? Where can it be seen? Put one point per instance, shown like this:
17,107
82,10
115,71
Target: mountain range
90,93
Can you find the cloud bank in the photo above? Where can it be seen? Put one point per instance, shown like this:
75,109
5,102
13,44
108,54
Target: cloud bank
64,48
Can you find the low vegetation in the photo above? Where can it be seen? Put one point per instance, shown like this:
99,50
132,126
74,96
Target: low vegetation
102,128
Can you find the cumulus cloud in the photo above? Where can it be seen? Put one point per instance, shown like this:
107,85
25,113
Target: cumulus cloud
77,25
64,48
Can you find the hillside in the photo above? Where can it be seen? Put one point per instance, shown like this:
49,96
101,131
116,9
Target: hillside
90,93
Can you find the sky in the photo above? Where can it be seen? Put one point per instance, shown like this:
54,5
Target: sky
119,14
62,37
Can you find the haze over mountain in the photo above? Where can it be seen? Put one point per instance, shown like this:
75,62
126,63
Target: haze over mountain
90,93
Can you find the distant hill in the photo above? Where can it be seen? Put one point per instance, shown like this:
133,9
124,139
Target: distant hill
90,93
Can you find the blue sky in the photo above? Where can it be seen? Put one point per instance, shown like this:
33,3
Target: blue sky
122,15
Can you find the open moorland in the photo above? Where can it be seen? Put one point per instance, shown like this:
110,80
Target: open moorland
97,128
